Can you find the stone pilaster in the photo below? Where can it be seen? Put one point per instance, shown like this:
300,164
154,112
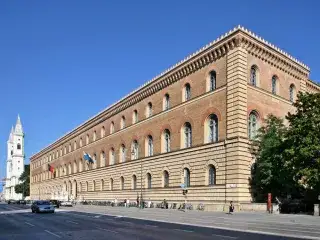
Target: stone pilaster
237,148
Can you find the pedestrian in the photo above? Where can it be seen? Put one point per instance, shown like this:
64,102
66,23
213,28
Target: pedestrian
231,208
137,201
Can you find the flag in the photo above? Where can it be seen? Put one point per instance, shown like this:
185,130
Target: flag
51,169
87,157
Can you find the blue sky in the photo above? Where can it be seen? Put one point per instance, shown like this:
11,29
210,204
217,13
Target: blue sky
61,62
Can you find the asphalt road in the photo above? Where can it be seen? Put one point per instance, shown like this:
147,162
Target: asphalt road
17,223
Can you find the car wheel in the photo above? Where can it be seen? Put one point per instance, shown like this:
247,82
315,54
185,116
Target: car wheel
52,212
32,210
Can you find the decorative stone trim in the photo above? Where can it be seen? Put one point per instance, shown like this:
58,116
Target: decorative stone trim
238,36
313,85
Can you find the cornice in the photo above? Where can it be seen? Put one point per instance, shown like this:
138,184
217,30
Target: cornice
273,56
238,36
313,85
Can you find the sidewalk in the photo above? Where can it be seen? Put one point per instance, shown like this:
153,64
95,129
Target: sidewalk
301,226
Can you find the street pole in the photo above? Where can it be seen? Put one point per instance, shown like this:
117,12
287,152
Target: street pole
141,202
39,187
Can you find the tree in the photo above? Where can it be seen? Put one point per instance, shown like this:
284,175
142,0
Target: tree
303,141
270,173
24,186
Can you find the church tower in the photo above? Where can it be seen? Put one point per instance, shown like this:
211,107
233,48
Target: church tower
15,160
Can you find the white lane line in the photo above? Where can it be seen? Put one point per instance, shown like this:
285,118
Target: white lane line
29,224
223,236
183,230
127,222
52,233
151,225
104,229
72,222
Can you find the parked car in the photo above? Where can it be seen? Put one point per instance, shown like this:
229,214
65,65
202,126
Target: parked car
12,201
66,204
42,206
55,203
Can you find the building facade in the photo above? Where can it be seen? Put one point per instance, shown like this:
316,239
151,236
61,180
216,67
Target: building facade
191,125
15,161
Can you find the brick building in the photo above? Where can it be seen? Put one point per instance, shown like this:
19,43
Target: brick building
192,124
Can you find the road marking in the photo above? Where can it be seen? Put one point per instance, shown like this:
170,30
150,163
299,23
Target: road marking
183,230
150,225
29,224
98,216
52,233
234,229
107,230
72,222
223,236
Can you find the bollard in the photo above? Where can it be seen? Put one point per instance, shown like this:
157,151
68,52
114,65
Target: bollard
316,210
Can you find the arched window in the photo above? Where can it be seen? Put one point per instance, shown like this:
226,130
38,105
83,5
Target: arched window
212,175
18,146
102,185
80,165
94,158
165,179
187,92
134,150
187,131
166,141
186,177
75,169
149,148
166,102
254,76
87,139
111,157
81,142
65,150
212,81
111,127
102,159
212,125
274,85
94,135
134,182
123,122
111,184
87,187
253,125
94,185
121,183
292,93
134,117
103,132
148,180
123,153
69,147
75,145
149,110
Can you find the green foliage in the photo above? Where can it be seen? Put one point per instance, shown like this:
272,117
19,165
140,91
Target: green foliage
269,173
303,141
288,158
24,186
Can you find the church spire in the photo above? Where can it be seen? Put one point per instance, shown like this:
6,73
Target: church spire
18,128
11,135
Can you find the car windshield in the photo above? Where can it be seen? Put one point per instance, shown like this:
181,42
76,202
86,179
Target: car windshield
43,203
